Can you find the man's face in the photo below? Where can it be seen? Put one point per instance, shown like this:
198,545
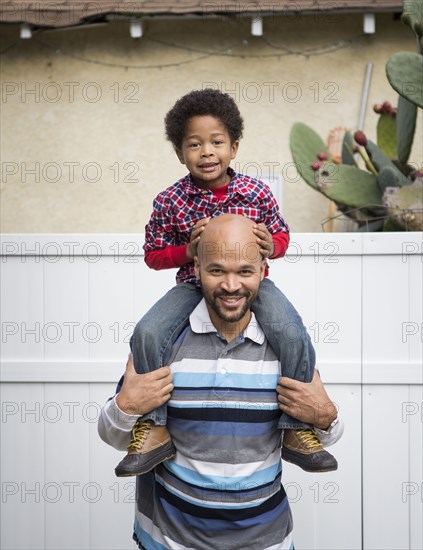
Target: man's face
230,275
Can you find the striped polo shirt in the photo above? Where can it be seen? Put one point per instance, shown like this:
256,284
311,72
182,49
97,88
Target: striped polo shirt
223,488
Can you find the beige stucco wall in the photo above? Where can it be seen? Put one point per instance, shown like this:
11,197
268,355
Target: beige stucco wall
95,119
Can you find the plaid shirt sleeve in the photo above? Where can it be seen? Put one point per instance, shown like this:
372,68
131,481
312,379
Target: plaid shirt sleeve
159,232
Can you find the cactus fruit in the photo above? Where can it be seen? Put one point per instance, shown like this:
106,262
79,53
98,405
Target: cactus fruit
360,138
416,174
322,156
386,107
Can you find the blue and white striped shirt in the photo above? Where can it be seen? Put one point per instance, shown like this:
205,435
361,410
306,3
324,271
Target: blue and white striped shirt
223,488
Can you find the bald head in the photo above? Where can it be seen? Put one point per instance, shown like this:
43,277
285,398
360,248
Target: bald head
229,237
230,267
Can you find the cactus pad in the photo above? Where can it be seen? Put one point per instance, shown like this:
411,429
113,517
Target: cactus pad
347,150
380,160
305,143
348,185
387,177
387,135
406,126
413,18
405,74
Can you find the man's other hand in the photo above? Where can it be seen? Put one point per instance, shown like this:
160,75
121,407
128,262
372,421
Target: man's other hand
308,403
142,393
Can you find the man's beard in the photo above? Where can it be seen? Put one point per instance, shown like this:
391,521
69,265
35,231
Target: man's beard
212,299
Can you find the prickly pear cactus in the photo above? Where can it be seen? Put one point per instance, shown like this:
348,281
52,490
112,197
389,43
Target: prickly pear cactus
389,195
354,189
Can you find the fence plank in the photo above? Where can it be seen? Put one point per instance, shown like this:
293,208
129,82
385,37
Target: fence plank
336,330
385,468
385,307
22,467
111,307
22,307
412,332
66,313
67,516
414,492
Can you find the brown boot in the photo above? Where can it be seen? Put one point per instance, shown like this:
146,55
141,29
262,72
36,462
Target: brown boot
303,448
150,445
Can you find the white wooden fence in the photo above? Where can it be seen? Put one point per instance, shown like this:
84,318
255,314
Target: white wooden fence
68,304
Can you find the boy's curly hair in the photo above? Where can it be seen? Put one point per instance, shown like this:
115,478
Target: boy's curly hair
200,103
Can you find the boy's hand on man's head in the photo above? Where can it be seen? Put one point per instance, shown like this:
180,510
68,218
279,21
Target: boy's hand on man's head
195,237
264,240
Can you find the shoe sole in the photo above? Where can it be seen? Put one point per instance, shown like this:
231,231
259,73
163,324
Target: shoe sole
305,467
167,451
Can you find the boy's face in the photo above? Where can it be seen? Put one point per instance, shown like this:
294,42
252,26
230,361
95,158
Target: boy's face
207,151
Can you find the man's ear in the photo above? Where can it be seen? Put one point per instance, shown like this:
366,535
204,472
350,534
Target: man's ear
196,267
262,269
180,155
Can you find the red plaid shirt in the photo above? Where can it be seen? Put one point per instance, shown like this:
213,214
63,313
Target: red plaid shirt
179,207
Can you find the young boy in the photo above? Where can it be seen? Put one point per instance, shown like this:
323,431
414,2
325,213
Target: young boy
205,127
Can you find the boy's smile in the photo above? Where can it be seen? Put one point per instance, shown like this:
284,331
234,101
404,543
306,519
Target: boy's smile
207,151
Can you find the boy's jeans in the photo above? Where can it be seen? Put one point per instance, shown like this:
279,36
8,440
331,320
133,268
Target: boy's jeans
156,332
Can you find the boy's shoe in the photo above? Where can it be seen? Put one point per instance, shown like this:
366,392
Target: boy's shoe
303,448
150,445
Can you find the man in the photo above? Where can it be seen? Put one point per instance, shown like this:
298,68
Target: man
223,488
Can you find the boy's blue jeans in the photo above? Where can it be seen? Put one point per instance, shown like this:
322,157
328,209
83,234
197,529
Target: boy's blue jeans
156,332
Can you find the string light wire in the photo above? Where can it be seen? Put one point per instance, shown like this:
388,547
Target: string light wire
282,51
